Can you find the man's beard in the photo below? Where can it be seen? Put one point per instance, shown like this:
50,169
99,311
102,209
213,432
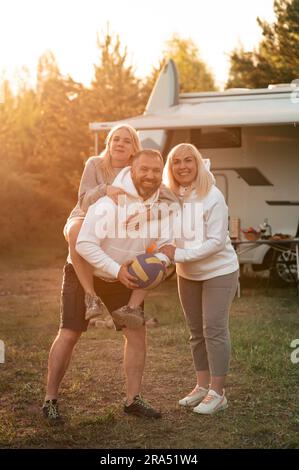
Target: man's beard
147,192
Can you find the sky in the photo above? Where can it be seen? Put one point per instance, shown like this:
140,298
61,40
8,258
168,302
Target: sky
69,28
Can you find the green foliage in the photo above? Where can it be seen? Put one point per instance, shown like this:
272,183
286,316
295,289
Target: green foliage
9,145
193,72
44,134
28,210
45,139
62,129
116,92
277,58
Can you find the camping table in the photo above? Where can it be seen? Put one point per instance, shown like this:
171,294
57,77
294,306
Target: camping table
277,245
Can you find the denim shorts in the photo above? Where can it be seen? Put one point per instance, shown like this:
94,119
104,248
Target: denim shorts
72,306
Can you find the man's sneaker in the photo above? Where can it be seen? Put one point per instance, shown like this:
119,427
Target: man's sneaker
139,407
194,397
211,403
51,412
94,307
127,316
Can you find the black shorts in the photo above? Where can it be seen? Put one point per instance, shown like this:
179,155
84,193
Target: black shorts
72,306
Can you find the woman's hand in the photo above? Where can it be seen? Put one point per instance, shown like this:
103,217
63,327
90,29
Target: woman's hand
126,278
114,193
168,250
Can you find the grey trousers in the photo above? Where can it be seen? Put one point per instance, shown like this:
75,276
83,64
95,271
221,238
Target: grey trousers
206,307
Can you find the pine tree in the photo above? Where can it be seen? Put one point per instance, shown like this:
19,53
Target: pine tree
10,140
62,132
116,93
193,72
276,59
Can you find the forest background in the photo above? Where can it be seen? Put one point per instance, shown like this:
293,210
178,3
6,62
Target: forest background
44,134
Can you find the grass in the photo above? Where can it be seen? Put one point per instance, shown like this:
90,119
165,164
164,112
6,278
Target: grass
262,386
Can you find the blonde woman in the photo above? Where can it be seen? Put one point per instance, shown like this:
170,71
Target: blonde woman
207,276
121,144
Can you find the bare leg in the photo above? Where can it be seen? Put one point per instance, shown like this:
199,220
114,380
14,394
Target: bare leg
217,383
134,360
59,359
137,297
83,269
203,378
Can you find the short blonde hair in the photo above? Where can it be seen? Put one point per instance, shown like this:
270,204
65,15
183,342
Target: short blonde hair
204,179
105,164
150,153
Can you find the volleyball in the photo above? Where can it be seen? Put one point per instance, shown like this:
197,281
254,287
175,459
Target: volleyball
148,269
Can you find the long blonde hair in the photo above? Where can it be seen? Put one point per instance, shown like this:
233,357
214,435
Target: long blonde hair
105,164
204,179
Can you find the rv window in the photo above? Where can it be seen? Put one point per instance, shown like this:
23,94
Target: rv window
216,137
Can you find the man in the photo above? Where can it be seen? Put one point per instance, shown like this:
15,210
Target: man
109,241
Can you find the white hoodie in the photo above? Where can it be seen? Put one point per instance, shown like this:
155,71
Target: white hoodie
103,240
216,255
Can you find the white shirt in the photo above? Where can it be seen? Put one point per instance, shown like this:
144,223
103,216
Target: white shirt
98,241
215,256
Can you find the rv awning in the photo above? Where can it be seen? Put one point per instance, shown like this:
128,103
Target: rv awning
217,112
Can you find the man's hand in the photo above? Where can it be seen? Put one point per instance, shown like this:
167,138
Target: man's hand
126,278
168,250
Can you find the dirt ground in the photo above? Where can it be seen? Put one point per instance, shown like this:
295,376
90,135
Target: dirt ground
262,386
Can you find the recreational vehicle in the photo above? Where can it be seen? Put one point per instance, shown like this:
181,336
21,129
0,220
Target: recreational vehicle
251,137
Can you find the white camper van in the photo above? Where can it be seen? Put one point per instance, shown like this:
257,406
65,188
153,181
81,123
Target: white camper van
251,137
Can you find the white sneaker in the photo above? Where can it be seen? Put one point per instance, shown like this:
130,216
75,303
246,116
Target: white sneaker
195,398
211,403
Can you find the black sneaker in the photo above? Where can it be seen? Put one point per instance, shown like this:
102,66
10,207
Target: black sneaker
140,407
51,412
